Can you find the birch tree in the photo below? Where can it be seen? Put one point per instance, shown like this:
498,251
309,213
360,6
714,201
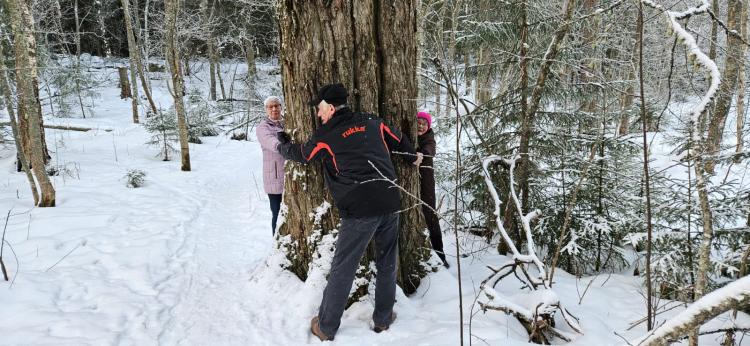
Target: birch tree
172,8
136,65
29,108
8,99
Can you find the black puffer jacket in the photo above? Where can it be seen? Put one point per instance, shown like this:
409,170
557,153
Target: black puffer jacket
355,149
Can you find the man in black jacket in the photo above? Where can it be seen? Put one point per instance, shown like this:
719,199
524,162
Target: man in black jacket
355,149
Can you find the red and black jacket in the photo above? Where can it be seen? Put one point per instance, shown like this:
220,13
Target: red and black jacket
355,149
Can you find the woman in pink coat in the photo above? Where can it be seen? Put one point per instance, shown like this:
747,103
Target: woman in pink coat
273,162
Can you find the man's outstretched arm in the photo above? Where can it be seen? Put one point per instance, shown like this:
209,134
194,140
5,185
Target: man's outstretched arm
302,153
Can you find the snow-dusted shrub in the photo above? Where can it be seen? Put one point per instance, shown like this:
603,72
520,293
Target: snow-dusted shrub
199,117
164,133
71,87
135,178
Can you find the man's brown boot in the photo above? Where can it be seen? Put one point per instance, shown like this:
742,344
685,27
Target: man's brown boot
379,329
315,329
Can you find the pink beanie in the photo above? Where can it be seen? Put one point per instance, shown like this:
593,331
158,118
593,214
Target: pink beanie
427,117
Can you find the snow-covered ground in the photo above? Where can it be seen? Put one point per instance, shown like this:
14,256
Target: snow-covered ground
188,259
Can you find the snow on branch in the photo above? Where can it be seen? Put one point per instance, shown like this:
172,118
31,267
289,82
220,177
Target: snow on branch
536,309
531,257
711,305
694,52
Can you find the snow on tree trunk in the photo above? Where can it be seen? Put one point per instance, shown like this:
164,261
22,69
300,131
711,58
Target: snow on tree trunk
178,88
352,42
29,108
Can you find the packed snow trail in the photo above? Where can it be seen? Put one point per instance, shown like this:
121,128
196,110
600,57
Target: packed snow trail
230,236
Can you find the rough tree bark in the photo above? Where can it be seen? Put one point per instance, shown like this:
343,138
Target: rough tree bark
125,90
728,86
172,8
352,42
29,108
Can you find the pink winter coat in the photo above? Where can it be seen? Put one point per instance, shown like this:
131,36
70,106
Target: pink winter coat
273,163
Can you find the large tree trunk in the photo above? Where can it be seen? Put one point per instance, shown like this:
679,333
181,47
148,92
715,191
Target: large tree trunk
352,42
178,88
29,108
728,86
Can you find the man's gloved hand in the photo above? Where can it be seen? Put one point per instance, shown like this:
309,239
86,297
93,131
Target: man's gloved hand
419,159
283,137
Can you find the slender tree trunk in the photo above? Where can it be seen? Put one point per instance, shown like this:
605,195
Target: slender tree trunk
135,57
527,124
211,70
146,42
5,91
207,13
377,65
646,178
627,98
132,53
741,83
217,64
589,42
250,56
125,90
728,86
27,86
77,39
714,32
701,184
508,214
102,30
172,8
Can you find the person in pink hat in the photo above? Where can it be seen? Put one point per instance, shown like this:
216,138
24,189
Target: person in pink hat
426,146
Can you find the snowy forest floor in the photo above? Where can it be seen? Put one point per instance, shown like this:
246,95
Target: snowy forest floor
188,259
